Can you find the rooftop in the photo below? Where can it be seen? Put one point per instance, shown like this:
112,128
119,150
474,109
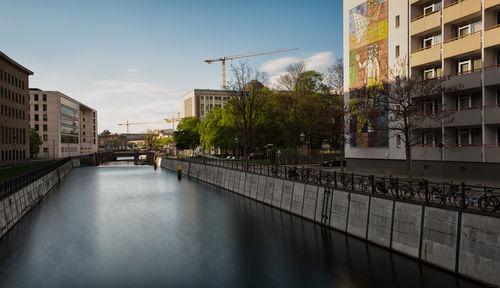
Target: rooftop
19,66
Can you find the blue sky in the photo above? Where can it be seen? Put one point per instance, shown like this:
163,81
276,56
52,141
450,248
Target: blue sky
133,60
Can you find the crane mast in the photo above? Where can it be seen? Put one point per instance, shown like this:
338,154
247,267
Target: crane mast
238,56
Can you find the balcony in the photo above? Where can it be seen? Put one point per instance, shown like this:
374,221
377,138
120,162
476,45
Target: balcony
492,114
492,153
426,55
488,3
492,75
492,36
425,152
462,45
431,122
470,153
462,10
426,23
464,81
467,117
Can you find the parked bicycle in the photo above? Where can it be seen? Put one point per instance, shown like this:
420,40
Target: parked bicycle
392,188
483,199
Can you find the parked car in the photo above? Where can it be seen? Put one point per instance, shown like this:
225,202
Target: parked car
331,162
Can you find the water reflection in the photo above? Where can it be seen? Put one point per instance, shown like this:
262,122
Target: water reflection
133,226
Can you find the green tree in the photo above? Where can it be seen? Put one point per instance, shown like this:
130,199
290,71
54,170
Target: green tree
187,135
149,138
161,142
35,142
218,129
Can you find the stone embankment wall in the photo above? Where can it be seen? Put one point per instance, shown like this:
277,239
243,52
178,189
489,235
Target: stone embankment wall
15,206
461,242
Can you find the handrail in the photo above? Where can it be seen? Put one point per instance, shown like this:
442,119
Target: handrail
463,36
425,48
453,3
425,15
463,72
492,27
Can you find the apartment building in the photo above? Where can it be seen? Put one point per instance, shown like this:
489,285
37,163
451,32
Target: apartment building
14,110
67,127
457,41
199,102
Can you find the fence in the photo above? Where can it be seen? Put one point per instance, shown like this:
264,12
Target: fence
11,185
462,196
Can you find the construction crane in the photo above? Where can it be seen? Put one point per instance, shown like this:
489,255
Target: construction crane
137,123
173,120
223,60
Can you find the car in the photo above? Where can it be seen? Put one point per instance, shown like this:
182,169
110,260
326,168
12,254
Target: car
331,162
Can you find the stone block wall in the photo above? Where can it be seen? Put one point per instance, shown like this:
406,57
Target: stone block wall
461,242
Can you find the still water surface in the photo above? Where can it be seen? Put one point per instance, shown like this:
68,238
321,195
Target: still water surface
131,226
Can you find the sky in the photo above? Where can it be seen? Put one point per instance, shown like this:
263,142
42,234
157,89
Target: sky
134,60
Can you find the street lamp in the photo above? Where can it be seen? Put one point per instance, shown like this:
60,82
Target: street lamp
302,138
278,154
236,142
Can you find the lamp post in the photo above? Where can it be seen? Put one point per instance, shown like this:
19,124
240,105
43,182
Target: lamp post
236,142
278,156
302,138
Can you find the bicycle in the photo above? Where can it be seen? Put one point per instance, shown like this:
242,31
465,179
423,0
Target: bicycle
363,184
484,199
346,181
409,193
383,189
439,194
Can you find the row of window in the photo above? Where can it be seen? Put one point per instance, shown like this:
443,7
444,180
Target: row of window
12,112
12,135
463,137
36,98
11,79
37,108
36,117
44,126
12,155
213,98
12,96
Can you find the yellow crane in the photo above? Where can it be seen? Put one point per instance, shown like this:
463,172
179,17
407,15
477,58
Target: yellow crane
136,123
224,58
173,120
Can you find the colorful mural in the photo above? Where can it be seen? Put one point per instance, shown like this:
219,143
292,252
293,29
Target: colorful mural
368,69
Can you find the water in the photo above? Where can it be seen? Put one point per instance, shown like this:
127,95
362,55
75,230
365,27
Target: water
131,226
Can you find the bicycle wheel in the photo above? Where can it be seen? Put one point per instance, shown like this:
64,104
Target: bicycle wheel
406,192
363,186
488,204
437,196
458,200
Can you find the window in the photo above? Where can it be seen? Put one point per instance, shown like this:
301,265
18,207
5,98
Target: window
44,117
35,97
44,107
45,127
36,117
397,50
201,97
36,107
397,21
464,102
36,127
398,141
464,30
463,137
428,9
428,74
464,66
45,137
45,150
428,42
44,97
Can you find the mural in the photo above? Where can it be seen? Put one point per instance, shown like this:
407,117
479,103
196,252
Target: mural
368,69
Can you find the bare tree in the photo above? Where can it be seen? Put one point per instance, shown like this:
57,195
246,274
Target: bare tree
247,101
406,111
149,138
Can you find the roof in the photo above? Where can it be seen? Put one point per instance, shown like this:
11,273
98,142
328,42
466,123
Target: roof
19,66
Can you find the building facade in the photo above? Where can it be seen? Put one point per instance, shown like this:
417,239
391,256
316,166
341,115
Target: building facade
199,102
14,111
457,41
67,127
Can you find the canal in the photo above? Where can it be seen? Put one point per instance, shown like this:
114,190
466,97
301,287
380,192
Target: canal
132,226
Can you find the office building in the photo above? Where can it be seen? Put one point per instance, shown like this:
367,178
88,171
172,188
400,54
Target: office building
199,102
14,111
67,127
456,41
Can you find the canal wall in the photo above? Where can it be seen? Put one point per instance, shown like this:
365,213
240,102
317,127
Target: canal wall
16,205
461,242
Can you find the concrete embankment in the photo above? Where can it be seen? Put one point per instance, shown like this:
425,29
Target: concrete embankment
17,204
461,242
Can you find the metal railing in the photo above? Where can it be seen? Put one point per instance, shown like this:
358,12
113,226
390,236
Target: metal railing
11,185
480,198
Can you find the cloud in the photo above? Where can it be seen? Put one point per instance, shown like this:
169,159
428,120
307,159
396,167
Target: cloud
118,101
133,70
276,67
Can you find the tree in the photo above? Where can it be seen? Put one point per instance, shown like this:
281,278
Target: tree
35,142
162,142
218,129
405,97
105,134
187,135
149,138
247,102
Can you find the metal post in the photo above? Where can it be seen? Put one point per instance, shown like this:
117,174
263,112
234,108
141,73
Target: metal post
372,180
463,196
426,182
335,179
397,188
352,181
